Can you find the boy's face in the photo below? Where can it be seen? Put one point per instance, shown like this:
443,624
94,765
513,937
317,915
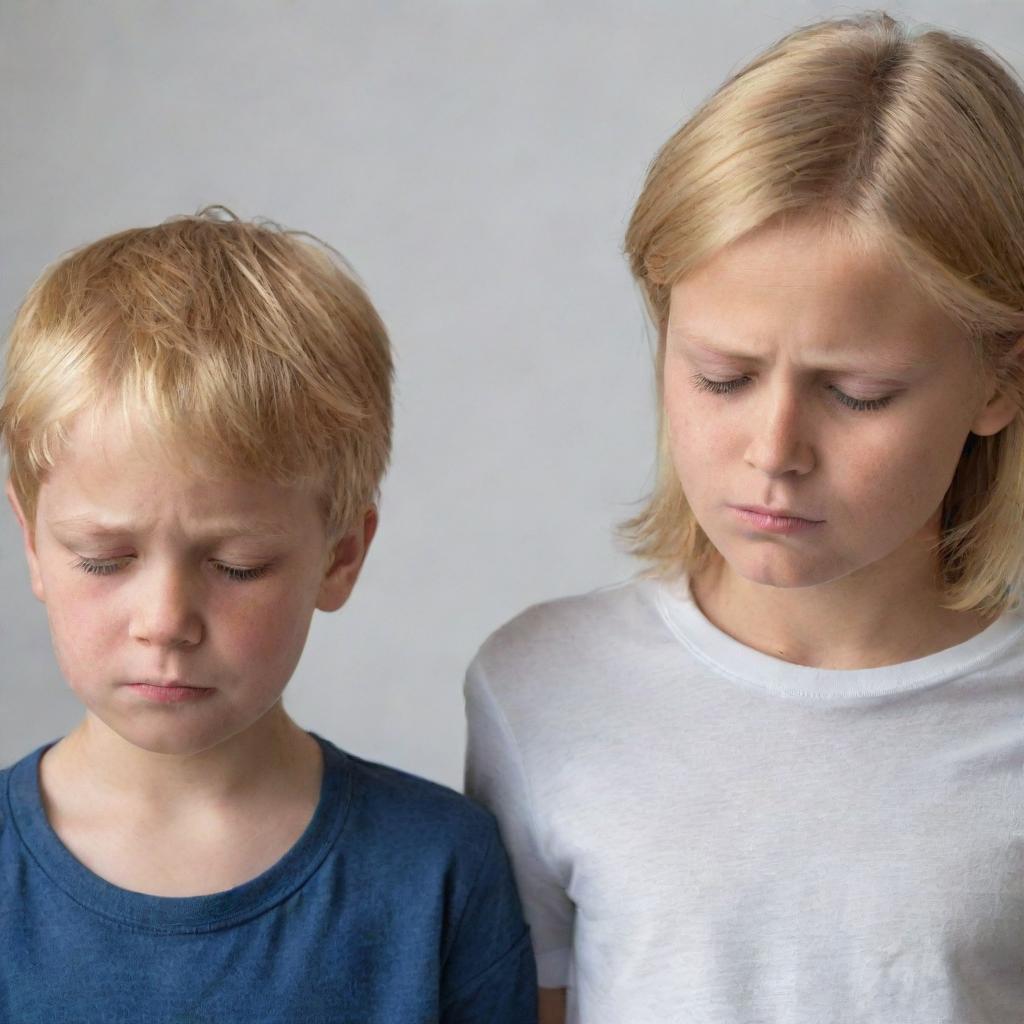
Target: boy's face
805,375
155,579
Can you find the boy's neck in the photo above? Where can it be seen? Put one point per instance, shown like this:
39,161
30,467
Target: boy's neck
865,620
273,756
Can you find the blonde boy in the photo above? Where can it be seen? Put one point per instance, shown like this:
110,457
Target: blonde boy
198,416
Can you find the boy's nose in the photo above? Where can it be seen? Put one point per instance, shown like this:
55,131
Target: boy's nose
779,442
164,613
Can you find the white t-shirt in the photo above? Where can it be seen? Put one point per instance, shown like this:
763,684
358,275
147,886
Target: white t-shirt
704,834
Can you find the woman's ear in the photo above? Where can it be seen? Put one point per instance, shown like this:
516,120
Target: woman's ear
999,409
346,561
29,539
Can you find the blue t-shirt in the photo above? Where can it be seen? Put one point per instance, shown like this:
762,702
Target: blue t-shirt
395,906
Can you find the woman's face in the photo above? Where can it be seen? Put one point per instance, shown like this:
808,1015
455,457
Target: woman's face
804,374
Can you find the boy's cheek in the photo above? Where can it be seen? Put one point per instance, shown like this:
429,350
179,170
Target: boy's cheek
93,635
265,639
77,643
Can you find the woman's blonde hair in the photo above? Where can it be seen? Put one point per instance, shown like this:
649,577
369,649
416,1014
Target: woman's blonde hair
912,143
240,346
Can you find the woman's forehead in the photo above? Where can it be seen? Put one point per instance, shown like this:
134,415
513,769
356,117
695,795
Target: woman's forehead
832,300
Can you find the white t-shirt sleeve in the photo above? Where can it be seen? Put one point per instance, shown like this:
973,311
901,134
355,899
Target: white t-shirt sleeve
497,777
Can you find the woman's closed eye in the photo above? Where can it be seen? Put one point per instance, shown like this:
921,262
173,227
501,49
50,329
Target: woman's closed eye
726,387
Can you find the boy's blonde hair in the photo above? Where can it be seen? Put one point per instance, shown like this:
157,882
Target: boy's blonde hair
913,144
240,346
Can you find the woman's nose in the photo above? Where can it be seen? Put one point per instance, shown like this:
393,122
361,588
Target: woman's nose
780,439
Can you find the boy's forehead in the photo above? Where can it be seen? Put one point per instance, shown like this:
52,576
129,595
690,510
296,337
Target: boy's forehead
126,490
118,470
99,523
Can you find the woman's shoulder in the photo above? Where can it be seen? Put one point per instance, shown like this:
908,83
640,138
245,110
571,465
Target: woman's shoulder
570,635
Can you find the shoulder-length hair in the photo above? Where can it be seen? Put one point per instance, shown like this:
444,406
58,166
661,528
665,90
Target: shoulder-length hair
914,142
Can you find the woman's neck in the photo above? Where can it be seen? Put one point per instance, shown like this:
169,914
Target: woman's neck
876,617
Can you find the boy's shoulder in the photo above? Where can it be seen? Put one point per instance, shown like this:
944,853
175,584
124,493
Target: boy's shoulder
21,771
412,811
5,774
18,796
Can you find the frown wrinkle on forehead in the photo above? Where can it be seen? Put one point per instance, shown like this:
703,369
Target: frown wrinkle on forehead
211,529
871,360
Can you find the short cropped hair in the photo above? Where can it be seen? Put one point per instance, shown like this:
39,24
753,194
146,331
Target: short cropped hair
911,143
249,347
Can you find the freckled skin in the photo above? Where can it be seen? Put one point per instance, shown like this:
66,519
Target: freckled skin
170,610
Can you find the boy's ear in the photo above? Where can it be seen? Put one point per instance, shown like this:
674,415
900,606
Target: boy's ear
347,557
1000,409
29,540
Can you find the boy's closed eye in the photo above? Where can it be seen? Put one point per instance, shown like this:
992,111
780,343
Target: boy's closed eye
108,567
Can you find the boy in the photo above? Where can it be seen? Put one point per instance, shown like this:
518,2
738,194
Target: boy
198,417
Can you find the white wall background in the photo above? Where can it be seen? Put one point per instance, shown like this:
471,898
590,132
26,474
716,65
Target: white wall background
476,162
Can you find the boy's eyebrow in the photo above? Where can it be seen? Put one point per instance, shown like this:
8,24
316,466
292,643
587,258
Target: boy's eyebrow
855,362
224,528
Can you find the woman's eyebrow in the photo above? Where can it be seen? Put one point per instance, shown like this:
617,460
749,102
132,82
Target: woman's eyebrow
849,361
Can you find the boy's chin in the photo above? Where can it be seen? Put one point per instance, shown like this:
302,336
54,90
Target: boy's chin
172,737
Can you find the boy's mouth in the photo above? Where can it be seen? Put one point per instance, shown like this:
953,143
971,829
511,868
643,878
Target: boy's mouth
168,691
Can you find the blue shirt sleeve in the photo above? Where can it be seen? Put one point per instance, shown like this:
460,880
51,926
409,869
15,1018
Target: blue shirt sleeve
489,974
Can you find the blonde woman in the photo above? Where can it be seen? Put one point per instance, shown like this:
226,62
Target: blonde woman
778,777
